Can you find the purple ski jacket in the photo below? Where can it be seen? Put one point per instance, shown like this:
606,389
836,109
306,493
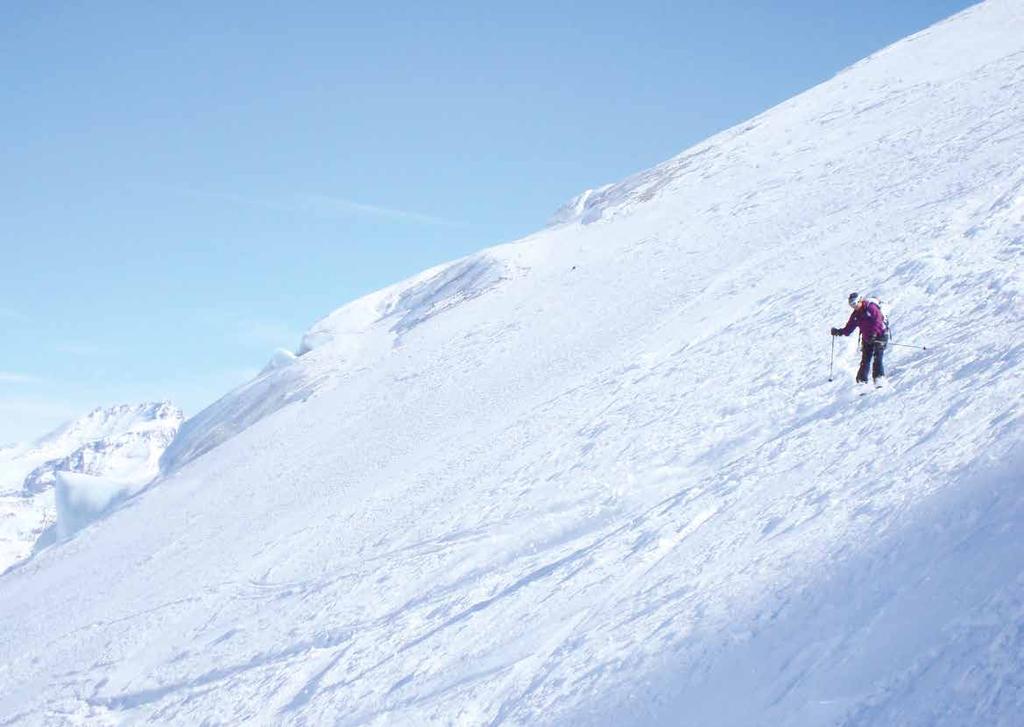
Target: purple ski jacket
868,318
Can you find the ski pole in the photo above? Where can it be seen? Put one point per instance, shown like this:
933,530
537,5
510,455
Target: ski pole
831,358
907,345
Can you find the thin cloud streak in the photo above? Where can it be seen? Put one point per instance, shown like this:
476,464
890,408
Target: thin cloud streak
325,205
316,202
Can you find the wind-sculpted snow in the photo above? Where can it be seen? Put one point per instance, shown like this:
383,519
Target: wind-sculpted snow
82,499
609,483
451,286
351,338
274,388
402,307
594,205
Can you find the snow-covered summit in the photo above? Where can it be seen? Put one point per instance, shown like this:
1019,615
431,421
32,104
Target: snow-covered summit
110,430
126,440
108,421
608,481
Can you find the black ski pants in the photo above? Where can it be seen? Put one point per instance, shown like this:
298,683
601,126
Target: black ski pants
871,351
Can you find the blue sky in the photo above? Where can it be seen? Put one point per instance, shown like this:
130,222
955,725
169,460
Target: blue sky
185,188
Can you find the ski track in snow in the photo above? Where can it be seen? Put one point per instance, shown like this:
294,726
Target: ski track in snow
598,476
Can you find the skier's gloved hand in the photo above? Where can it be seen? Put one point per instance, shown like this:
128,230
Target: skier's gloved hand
835,331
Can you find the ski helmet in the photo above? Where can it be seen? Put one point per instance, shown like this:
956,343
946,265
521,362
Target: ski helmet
852,300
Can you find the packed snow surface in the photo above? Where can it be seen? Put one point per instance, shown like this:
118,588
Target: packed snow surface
121,444
598,476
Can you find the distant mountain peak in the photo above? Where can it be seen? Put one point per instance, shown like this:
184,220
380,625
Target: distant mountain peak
125,439
106,420
123,442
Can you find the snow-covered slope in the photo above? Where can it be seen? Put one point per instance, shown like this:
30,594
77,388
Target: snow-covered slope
356,337
120,442
598,476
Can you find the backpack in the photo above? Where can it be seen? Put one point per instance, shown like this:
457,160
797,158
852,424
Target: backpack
883,309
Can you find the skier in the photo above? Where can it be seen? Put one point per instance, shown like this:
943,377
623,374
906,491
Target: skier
868,317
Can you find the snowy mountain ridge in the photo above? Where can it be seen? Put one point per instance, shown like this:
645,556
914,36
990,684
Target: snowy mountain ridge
599,476
125,439
122,442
